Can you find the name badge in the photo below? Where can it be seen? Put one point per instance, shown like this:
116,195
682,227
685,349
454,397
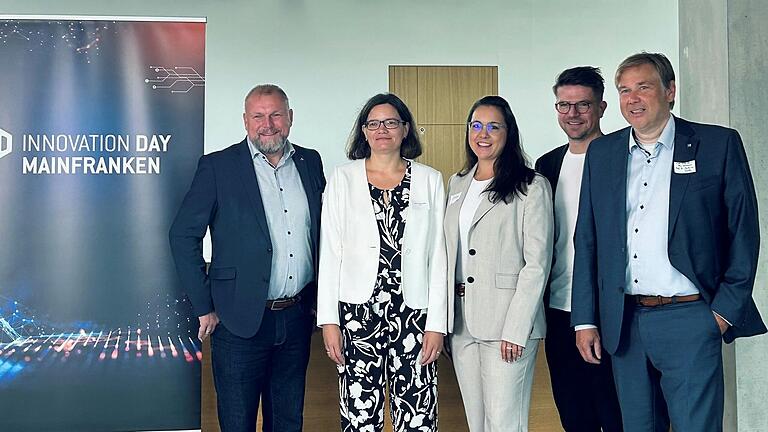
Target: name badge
453,198
685,167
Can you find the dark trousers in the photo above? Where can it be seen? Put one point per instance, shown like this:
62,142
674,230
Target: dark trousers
273,363
669,367
584,393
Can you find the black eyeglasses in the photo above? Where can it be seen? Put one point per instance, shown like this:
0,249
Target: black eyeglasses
490,127
565,107
390,123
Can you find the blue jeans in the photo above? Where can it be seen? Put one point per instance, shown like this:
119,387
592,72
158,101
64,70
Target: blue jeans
272,364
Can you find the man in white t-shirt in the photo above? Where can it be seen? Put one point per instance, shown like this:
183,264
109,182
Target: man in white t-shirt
584,393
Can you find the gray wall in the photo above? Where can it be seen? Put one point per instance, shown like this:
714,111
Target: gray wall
723,55
331,55
703,78
747,60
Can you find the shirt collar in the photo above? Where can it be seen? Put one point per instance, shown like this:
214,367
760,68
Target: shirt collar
288,152
666,139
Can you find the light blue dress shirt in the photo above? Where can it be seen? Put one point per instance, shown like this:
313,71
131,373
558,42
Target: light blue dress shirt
649,171
287,211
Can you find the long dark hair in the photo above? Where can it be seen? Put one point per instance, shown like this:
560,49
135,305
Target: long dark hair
512,175
358,147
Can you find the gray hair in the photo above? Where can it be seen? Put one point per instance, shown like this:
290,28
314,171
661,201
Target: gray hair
268,89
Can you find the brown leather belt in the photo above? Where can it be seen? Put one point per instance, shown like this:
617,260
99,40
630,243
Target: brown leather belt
282,303
654,301
460,289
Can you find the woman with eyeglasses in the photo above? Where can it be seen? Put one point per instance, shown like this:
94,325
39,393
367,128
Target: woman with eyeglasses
382,293
498,232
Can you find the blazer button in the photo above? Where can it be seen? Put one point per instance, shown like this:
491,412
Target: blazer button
470,279
472,251
269,250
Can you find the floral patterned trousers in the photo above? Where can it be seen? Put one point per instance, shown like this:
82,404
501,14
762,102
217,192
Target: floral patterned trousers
382,344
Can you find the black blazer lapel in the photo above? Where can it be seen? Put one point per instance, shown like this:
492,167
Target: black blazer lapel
686,145
620,160
618,167
311,186
248,177
551,165
304,172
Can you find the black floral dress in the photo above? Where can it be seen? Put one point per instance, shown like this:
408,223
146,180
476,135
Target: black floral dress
383,338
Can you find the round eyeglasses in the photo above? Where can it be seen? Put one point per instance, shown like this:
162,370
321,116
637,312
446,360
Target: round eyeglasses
390,123
490,127
565,107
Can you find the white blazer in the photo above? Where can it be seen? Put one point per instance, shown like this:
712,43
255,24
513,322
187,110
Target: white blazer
349,245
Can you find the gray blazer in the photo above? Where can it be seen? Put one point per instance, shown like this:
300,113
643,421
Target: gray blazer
512,244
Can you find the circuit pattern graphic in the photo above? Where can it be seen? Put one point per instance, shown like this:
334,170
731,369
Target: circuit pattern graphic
177,79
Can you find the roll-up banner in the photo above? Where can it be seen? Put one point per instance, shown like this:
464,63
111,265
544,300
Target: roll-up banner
101,126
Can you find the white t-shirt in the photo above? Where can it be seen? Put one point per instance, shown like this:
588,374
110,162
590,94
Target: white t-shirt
566,211
472,200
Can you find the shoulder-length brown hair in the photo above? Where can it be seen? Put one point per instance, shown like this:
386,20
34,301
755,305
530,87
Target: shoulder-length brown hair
358,147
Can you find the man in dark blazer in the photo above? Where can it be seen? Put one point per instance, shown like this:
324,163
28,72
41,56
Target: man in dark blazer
667,243
584,393
261,200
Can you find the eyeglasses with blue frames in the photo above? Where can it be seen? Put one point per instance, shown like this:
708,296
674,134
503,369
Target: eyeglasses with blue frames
490,127
390,123
582,107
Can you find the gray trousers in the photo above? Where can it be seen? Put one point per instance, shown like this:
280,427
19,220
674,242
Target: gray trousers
669,368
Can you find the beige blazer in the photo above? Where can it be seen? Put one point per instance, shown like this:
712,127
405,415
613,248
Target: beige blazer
512,244
349,245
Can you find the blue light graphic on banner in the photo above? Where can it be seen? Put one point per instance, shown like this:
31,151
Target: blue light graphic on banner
101,126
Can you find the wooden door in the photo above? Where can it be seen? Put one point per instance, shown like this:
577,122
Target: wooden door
440,97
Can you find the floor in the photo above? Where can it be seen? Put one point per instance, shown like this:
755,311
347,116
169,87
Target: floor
321,407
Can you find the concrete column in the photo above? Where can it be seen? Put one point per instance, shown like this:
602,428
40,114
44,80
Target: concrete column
747,72
702,84
722,80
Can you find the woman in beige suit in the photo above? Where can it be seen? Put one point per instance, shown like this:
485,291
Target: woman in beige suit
498,227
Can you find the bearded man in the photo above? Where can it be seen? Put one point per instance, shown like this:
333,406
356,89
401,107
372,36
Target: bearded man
261,200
